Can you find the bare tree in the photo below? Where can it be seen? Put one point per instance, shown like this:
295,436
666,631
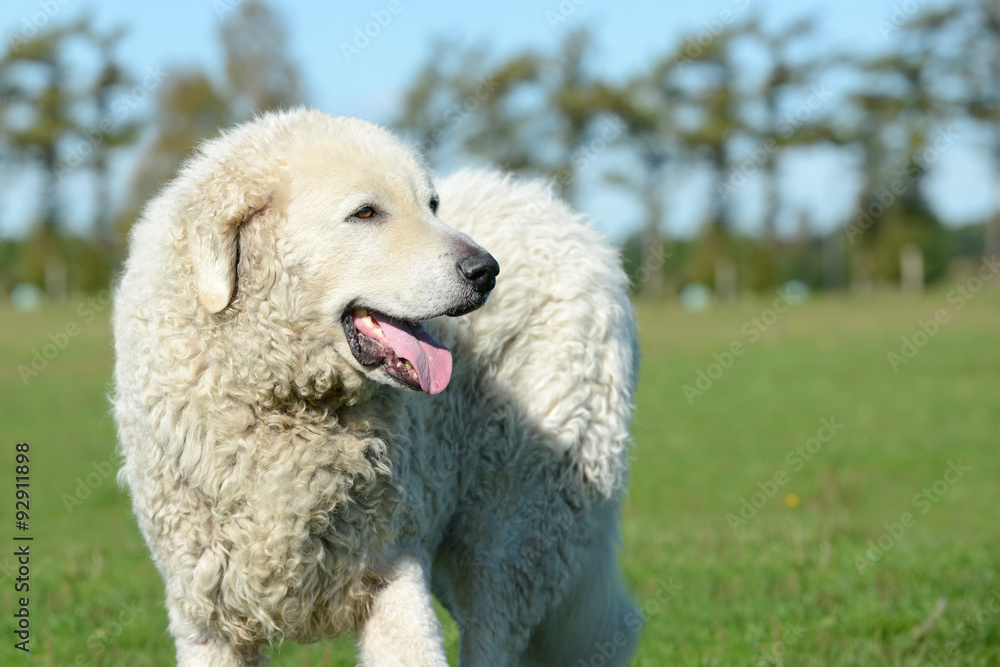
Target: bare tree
898,111
115,127
260,74
980,71
529,112
646,106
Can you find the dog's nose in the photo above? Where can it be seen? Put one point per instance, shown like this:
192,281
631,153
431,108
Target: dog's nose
480,269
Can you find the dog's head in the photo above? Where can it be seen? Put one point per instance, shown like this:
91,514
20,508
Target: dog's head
330,225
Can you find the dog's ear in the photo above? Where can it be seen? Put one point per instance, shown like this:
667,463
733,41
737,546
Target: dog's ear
224,197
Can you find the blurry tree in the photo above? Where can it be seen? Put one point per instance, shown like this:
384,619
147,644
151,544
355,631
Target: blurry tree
528,112
189,107
52,122
646,106
577,101
431,105
498,120
37,108
791,114
709,78
260,75
114,128
708,107
687,107
979,67
899,110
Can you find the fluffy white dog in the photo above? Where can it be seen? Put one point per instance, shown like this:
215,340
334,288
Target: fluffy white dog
305,459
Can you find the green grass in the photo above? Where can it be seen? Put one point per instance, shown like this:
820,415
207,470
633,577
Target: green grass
784,587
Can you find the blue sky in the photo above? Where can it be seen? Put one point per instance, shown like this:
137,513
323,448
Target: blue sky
629,33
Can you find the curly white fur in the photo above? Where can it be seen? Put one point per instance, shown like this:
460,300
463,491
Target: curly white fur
286,491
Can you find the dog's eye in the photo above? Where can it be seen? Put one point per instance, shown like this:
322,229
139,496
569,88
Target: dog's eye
434,204
365,212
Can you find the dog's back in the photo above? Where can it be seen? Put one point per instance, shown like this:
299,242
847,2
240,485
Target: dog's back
549,371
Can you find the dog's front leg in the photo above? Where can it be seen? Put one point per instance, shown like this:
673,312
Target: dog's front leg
402,629
196,649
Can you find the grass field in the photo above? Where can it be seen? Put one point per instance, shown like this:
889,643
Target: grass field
906,462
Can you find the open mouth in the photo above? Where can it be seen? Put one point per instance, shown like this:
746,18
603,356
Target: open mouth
403,348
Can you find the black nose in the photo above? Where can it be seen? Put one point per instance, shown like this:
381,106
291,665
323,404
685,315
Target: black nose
480,269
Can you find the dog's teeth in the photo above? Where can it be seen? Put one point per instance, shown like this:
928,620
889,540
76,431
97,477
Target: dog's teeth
360,312
409,366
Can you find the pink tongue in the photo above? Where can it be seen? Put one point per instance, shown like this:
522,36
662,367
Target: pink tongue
411,341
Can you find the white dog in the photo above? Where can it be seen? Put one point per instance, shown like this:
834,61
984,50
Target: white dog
289,466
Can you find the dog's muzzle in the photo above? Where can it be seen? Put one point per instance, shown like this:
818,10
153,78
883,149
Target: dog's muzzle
479,271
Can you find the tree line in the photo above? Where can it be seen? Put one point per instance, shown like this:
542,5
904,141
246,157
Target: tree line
733,100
